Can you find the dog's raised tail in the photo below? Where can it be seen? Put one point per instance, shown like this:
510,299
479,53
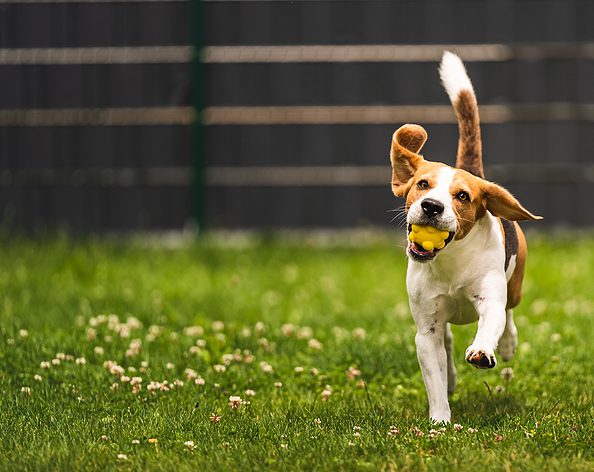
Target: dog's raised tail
459,88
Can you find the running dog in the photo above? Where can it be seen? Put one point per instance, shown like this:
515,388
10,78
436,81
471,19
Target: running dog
475,273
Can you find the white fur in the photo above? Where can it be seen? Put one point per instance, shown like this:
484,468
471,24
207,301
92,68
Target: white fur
511,266
466,282
441,192
453,75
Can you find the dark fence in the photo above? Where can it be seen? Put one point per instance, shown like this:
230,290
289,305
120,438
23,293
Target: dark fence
295,102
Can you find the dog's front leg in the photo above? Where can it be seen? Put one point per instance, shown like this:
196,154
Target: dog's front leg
491,323
432,357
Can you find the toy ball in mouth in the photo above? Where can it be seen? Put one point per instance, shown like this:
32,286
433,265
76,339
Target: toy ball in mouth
428,237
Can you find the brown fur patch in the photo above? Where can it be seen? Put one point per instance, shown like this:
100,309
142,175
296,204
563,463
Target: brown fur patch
427,171
467,212
514,286
407,141
470,153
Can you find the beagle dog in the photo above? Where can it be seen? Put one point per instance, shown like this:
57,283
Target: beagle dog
477,275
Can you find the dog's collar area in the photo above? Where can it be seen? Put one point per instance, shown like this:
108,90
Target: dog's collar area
418,253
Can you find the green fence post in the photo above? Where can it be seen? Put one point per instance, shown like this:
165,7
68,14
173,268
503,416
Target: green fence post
198,132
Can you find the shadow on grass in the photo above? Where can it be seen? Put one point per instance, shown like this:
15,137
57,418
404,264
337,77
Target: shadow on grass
486,407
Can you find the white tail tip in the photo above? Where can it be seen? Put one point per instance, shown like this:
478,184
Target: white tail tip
453,75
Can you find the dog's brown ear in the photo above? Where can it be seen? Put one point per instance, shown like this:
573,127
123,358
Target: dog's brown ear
503,204
407,141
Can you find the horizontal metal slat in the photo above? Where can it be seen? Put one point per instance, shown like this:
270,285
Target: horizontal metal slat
97,116
296,53
271,176
96,55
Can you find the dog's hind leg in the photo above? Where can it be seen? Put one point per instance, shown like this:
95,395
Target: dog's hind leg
509,339
449,347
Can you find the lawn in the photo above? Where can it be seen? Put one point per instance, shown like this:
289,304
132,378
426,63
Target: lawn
276,353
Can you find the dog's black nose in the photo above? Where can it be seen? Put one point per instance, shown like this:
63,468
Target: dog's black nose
431,207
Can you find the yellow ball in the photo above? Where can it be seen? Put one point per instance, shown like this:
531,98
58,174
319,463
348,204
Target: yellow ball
428,237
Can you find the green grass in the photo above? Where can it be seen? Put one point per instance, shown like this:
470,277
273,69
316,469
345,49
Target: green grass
541,419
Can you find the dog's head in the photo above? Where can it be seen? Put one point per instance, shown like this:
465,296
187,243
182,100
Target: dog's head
441,196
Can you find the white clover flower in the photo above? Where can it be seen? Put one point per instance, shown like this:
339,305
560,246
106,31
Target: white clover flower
314,344
259,327
23,333
152,386
304,332
507,373
80,361
218,325
352,372
299,369
190,374
458,427
135,442
246,332
56,361
37,378
227,359
122,457
288,329
189,444
124,379
134,348
250,393
199,381
135,381
266,367
278,384
170,366
219,368
214,418
194,331
234,401
359,333
99,351
555,337
44,365
26,390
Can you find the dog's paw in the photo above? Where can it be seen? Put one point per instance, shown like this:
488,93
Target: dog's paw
507,347
481,358
441,417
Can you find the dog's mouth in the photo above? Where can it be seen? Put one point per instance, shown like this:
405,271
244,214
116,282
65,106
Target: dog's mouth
419,253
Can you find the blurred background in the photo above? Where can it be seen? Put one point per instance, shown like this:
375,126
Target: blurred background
165,114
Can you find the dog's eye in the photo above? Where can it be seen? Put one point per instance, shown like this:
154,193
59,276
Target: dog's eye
423,184
463,196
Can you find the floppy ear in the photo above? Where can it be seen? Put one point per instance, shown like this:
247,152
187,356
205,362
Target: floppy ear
407,141
503,204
